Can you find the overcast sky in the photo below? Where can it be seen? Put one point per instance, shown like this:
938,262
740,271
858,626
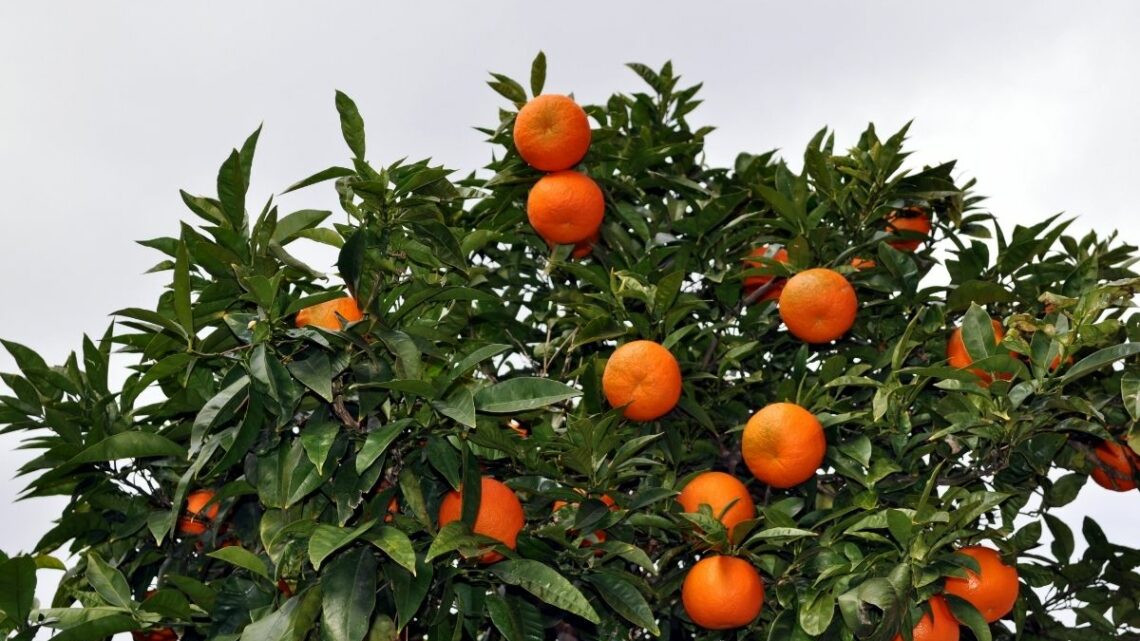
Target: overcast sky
107,108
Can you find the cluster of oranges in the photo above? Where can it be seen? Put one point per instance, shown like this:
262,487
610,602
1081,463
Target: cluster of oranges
565,207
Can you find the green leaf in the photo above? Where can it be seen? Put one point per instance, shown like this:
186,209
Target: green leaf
317,438
319,177
408,589
315,373
182,307
327,539
232,188
625,599
108,582
978,333
460,407
508,89
469,362
969,616
1099,359
538,74
242,558
17,588
547,584
437,236
218,409
129,445
515,619
351,124
522,394
396,545
815,616
1065,489
291,226
348,588
96,629
292,622
1130,394
449,538
977,292
378,441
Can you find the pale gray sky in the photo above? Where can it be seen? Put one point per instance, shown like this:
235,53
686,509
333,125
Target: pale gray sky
107,108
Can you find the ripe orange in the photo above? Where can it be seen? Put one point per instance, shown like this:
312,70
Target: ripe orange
565,207
194,520
500,514
326,314
552,133
994,591
583,248
752,283
913,219
1115,467
722,593
644,378
818,305
717,490
862,263
783,444
599,535
938,624
960,358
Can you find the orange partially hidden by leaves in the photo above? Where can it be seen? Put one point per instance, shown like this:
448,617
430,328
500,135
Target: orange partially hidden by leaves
599,536
910,219
938,624
722,593
328,314
993,591
718,490
196,517
783,445
552,133
862,263
1115,467
644,378
582,249
818,305
752,283
960,358
500,514
518,428
161,634
565,207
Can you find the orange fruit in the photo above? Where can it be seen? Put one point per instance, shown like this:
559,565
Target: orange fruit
644,379
722,593
518,428
938,624
161,634
195,520
565,207
752,283
818,305
500,514
582,249
717,490
993,591
328,314
912,219
1056,362
1115,467
783,445
599,535
552,133
960,358
862,263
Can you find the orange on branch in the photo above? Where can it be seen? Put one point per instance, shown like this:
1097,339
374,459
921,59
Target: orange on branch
566,207
552,132
644,378
818,305
783,445
863,263
993,591
329,314
599,536
196,517
500,514
909,219
960,358
722,593
938,624
752,283
1115,467
718,490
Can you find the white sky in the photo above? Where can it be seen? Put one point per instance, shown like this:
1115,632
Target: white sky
107,108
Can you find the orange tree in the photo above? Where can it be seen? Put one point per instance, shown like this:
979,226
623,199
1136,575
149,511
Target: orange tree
435,441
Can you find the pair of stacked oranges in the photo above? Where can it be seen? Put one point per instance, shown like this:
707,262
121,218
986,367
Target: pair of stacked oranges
565,207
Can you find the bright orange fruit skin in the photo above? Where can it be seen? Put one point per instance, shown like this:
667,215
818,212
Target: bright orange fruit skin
552,132
194,520
566,207
913,219
722,593
960,358
717,490
818,305
645,378
500,514
1116,467
862,263
993,591
783,445
325,314
752,283
938,624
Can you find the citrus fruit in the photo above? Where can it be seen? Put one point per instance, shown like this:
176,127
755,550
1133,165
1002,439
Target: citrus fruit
551,132
783,445
752,283
500,514
722,593
196,517
644,379
161,634
1115,467
599,536
993,591
862,263
328,314
583,248
959,357
718,490
818,305
909,219
565,207
938,624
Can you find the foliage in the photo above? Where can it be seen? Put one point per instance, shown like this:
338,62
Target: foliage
473,322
